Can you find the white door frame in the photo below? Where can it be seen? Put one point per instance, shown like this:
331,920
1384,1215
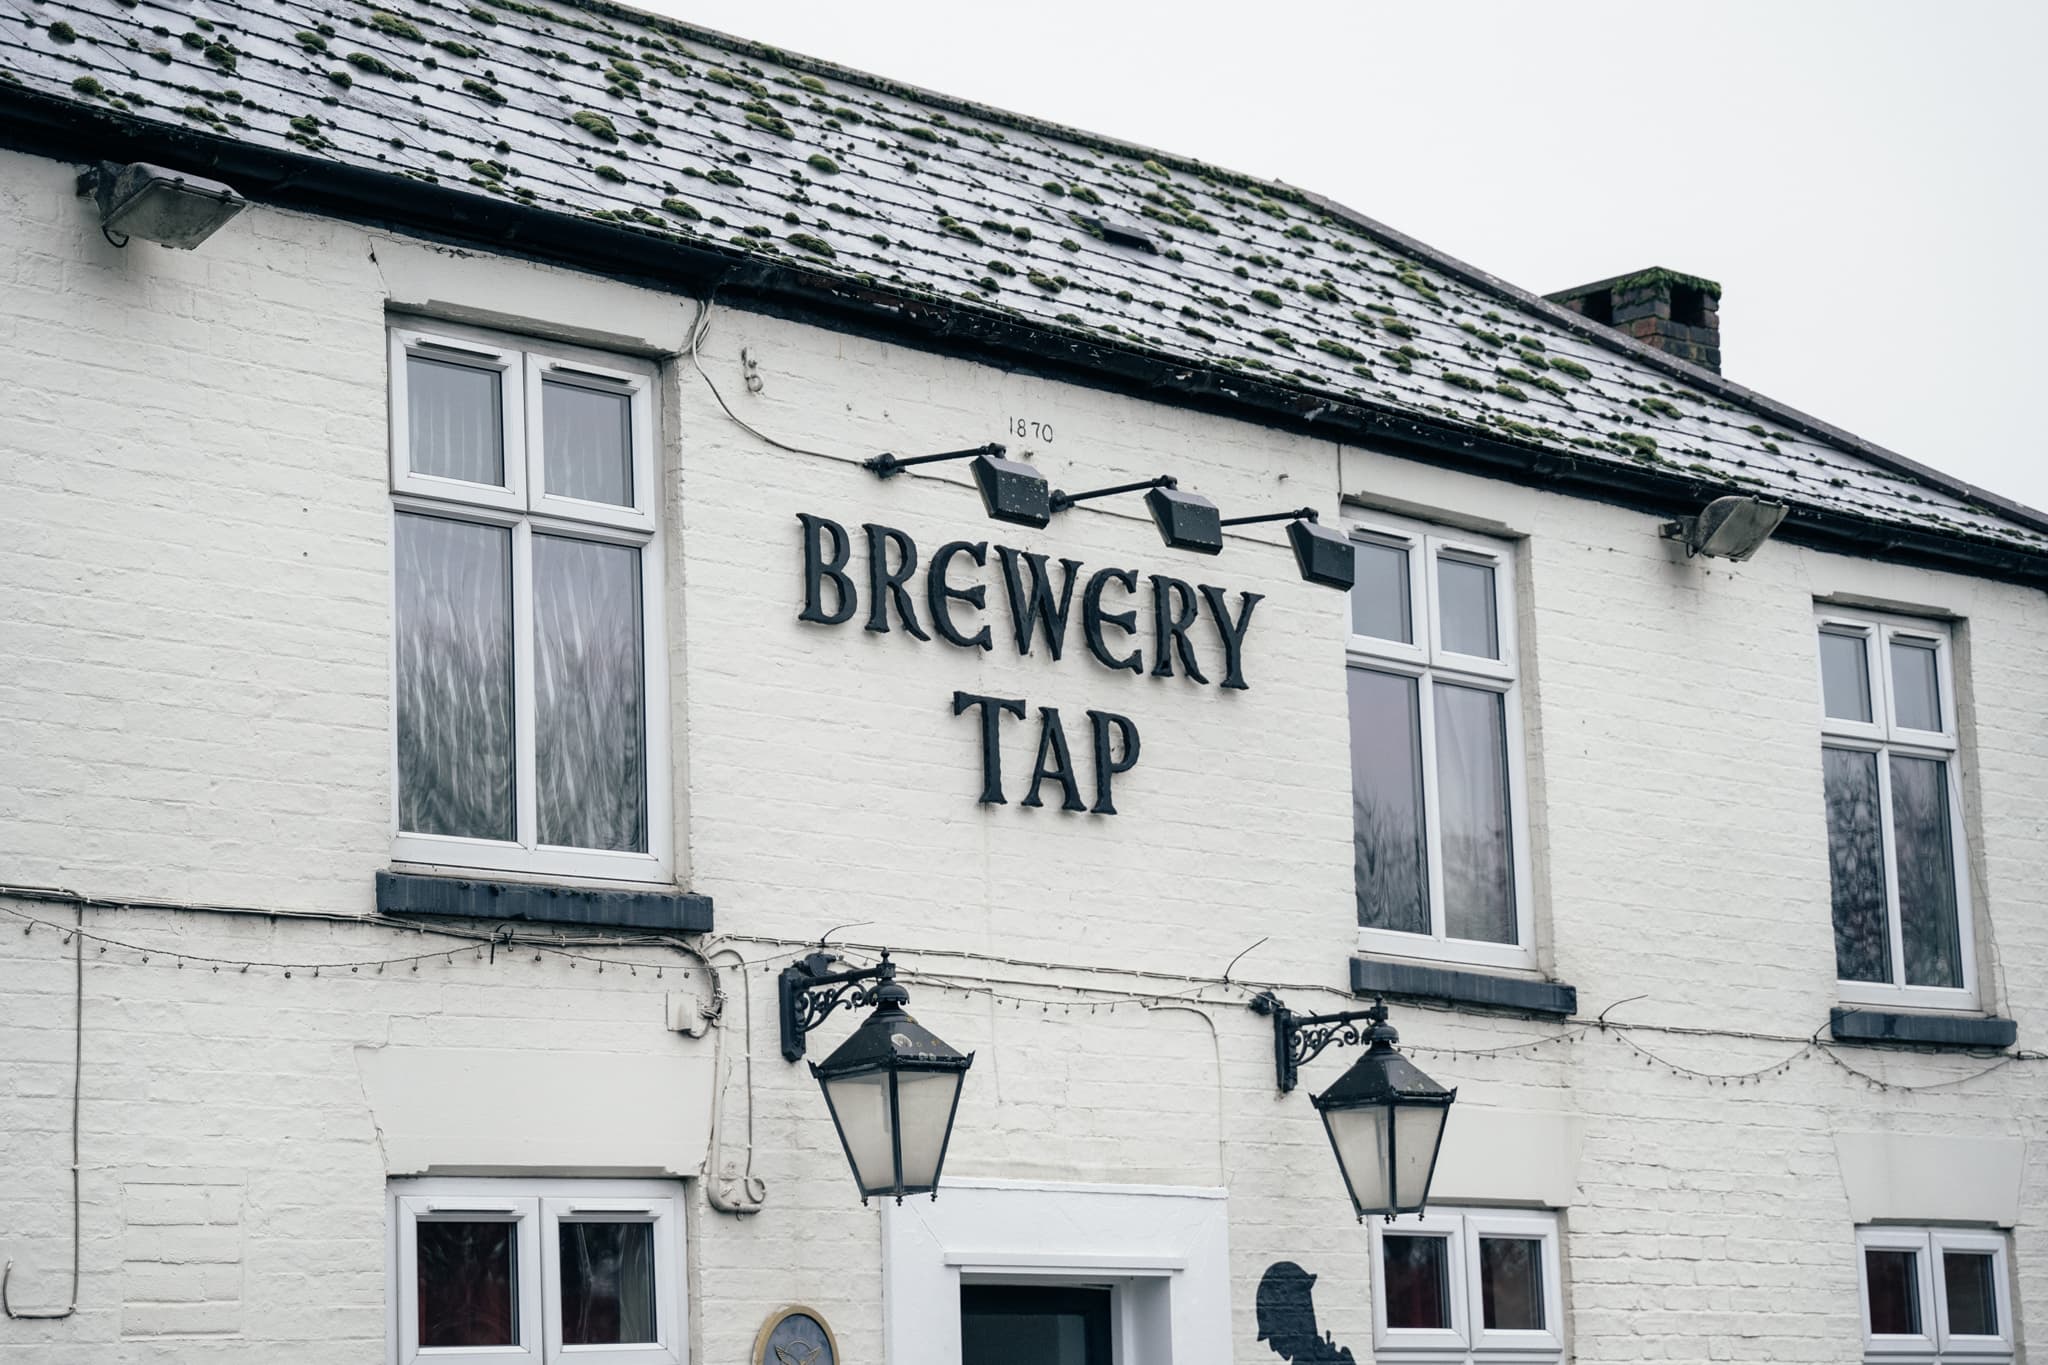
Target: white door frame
1164,1249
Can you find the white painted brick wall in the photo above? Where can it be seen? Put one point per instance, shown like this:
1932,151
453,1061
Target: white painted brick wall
195,707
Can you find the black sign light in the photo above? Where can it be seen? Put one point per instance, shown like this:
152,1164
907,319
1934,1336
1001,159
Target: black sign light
1011,490
1186,521
1322,555
1384,1117
892,1087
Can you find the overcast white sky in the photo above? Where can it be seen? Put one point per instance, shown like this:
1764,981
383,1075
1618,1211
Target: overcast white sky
1864,177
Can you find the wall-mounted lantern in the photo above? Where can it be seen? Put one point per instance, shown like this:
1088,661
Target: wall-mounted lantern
1011,490
1322,555
892,1087
158,205
1384,1117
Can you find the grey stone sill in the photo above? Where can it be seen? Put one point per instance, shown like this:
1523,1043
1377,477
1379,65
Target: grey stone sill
663,911
1456,986
1975,1032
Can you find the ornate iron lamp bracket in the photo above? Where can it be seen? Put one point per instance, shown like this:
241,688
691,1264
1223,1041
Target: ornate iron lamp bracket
808,991
1300,1038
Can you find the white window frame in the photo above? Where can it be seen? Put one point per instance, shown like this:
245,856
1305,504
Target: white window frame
540,1207
1467,1339
524,507
1427,661
1936,1345
1884,736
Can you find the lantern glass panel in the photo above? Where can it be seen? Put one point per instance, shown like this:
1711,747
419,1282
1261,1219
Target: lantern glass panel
860,1106
1416,1130
1360,1137
924,1104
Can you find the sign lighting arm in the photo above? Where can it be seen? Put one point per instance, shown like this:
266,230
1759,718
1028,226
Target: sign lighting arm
1062,500
886,465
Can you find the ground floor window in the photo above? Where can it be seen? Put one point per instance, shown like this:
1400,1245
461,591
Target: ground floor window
1934,1295
541,1271
1003,1324
1459,1285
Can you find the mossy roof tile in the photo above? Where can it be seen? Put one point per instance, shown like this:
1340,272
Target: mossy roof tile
736,130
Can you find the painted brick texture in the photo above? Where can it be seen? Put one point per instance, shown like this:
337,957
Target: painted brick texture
194,549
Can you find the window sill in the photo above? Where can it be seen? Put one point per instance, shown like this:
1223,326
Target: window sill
674,912
1969,1031
1454,986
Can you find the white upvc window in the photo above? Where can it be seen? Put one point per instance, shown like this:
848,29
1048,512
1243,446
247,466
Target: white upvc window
528,664
1934,1296
1466,1286
1897,856
1439,831
575,1272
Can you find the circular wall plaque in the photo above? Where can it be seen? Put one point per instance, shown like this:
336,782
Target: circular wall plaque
795,1336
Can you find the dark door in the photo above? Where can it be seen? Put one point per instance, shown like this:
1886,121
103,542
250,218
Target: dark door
1005,1324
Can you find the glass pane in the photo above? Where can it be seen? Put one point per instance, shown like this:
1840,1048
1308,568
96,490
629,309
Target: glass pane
454,627
1511,1284
1856,872
1418,1281
1927,872
1379,599
1466,608
1844,676
607,1283
924,1105
1360,1138
1387,848
589,443
1972,1296
468,1283
1418,1129
1893,1279
1472,781
456,420
589,723
860,1107
1032,1325
1916,686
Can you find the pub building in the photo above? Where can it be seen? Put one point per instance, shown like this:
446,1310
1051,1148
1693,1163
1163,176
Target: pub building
668,703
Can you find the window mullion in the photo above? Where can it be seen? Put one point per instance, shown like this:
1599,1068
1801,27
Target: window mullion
524,745
1432,836
1891,866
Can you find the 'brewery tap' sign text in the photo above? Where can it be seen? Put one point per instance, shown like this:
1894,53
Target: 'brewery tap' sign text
1041,606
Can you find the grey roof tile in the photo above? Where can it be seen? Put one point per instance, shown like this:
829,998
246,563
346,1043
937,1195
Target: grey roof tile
586,110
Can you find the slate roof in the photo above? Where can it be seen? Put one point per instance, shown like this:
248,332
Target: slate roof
581,109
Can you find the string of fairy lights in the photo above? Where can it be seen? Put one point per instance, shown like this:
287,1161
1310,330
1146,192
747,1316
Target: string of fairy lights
1136,991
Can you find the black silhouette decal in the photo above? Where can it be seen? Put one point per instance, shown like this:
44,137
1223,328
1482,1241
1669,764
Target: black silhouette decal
1287,1318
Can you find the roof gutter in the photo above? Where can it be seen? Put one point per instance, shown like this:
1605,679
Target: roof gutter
61,129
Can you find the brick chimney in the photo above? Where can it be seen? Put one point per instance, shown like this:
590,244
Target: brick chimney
1658,307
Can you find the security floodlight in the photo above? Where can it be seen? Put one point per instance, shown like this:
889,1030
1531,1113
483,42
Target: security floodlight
1384,1117
157,205
1322,555
1734,527
893,1087
1011,490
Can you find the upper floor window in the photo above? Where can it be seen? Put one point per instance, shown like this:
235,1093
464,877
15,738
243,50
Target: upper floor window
530,695
1471,1285
1894,812
1934,1295
1438,837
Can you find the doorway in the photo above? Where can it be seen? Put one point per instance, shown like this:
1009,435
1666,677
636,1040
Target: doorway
1009,1324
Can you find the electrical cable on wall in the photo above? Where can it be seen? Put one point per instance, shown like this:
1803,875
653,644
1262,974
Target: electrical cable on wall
1197,993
